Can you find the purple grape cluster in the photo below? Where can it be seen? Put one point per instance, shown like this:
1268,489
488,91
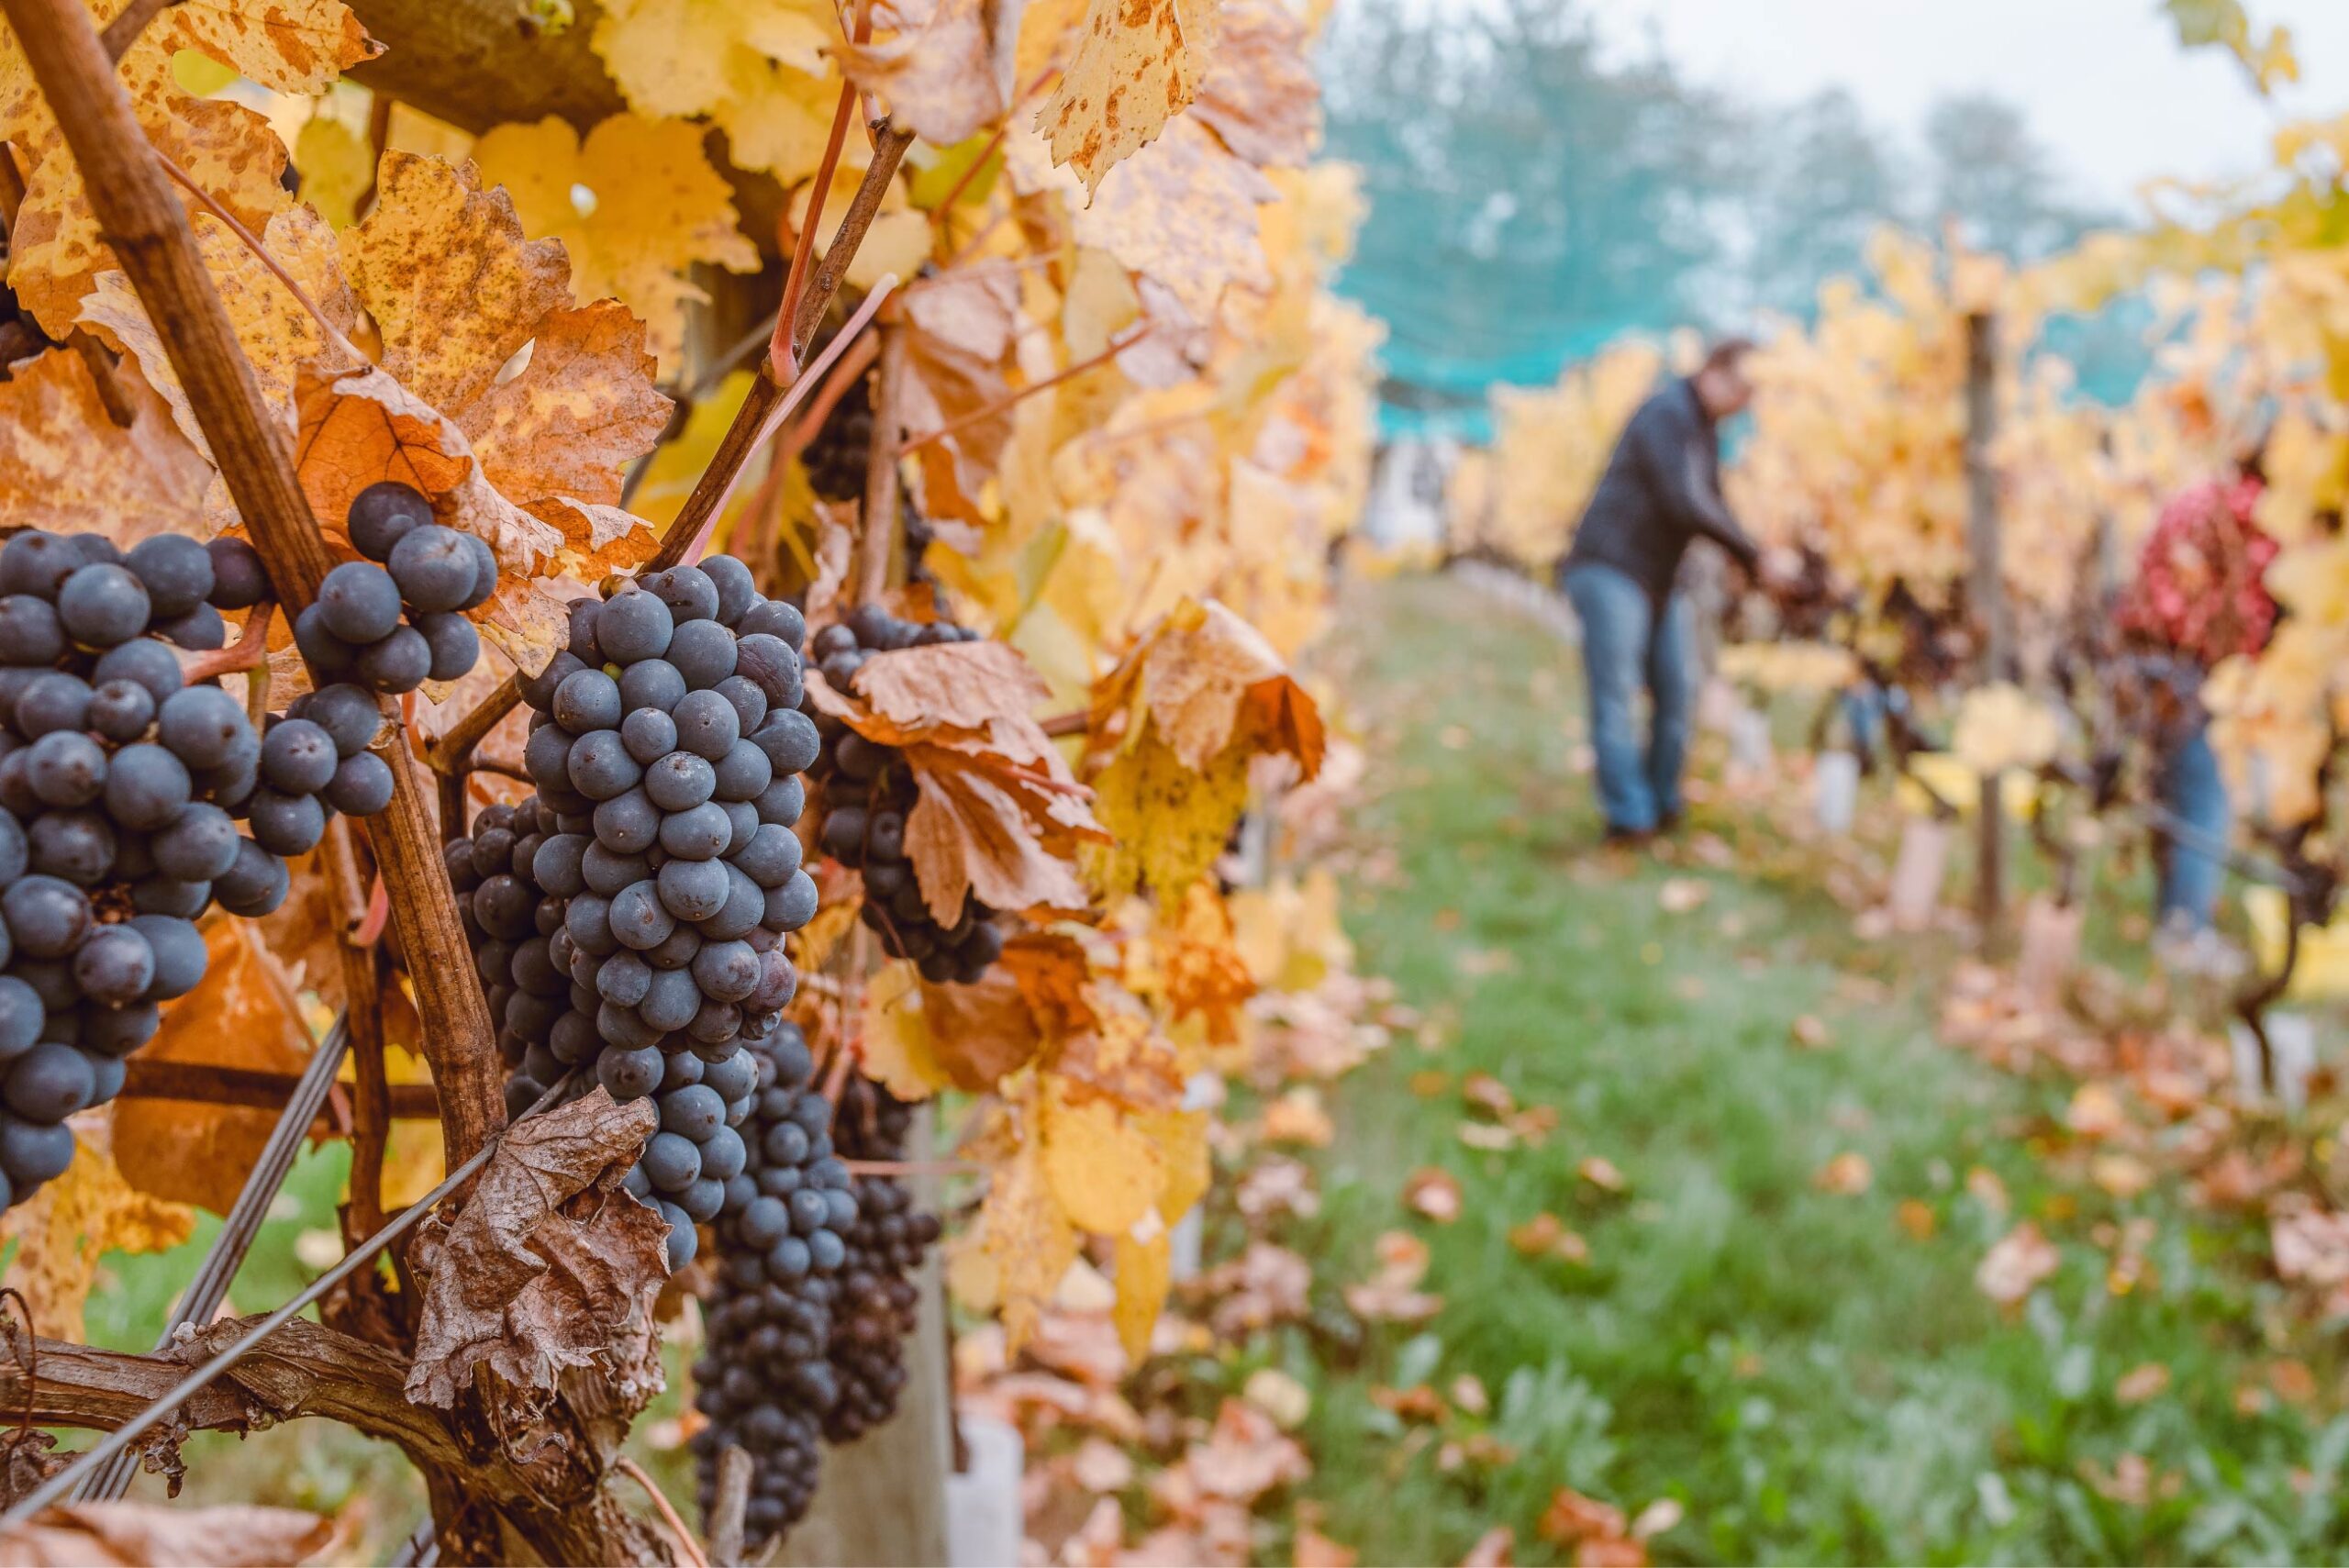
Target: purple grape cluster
396,619
122,785
628,918
764,1380
879,1302
868,792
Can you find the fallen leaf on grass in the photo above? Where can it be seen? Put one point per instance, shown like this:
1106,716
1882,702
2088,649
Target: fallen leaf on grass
1596,1530
549,1265
1489,1094
1984,1186
2141,1383
1847,1175
1246,1455
1392,1294
1279,1396
2122,1175
2292,1381
1468,1393
1663,1514
1297,1118
1809,1032
2016,1264
1916,1217
137,1533
1314,1549
1428,1082
1417,1403
2096,1111
1099,1465
1679,895
1496,1547
1545,1235
1434,1193
1600,1173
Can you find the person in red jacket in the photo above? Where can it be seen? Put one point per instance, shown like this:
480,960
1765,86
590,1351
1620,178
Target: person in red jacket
2198,597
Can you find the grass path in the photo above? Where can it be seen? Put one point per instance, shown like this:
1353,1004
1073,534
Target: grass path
1812,1374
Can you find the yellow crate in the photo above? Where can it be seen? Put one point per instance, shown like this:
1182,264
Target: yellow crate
1961,787
2324,969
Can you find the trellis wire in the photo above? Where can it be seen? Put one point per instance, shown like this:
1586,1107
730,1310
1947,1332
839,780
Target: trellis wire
122,1437
209,1289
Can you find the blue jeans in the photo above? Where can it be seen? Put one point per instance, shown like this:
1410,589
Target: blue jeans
1628,643
2194,790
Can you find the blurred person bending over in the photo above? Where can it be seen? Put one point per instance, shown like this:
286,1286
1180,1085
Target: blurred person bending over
1661,489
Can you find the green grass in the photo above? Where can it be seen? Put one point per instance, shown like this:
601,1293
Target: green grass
1811,1382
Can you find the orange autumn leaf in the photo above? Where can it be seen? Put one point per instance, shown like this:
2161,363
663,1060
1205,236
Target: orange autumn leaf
64,464
1434,1193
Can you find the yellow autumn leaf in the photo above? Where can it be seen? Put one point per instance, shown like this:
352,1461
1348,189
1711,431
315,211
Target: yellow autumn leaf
1106,1171
756,67
1026,1239
896,1046
635,204
1181,1139
1136,63
1143,1271
1168,822
65,464
337,166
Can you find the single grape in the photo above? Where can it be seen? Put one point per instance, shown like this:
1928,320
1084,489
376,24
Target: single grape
647,732
255,884
203,726
298,757
200,845
52,701
672,1162
29,631
790,740
693,890
633,625
348,713
179,953
287,823
383,514
121,710
361,785
115,964
200,630
238,579
400,663
699,834
703,652
143,660
679,781
50,1082
102,605
434,568
743,773
77,846
586,701
600,767
33,1152
65,768
456,646
359,602
21,1018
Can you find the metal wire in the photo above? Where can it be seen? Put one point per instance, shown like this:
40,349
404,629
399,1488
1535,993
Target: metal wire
209,1289
122,1437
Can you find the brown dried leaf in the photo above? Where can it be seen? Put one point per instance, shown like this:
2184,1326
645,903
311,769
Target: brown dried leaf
1205,670
1136,65
969,835
65,464
135,1534
959,329
246,1014
979,1034
970,686
937,69
549,1265
572,418
1260,94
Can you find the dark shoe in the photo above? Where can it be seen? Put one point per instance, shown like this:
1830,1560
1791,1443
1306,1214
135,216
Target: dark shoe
1670,823
1629,838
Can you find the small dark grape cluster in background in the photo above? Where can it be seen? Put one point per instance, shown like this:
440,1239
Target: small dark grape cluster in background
628,919
835,459
868,792
396,619
764,1380
879,1302
121,788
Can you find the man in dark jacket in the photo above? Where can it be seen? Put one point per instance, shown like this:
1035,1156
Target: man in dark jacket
1661,489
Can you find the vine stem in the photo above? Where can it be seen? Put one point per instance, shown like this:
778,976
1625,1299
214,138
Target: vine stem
687,1546
153,239
876,546
250,648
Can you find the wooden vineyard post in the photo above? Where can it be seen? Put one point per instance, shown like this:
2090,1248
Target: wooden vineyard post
1985,592
882,1500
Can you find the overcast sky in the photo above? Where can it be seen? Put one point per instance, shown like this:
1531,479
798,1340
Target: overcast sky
2103,81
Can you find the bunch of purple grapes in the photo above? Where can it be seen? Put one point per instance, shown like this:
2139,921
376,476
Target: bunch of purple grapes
868,794
764,1380
396,619
628,919
122,785
878,1304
